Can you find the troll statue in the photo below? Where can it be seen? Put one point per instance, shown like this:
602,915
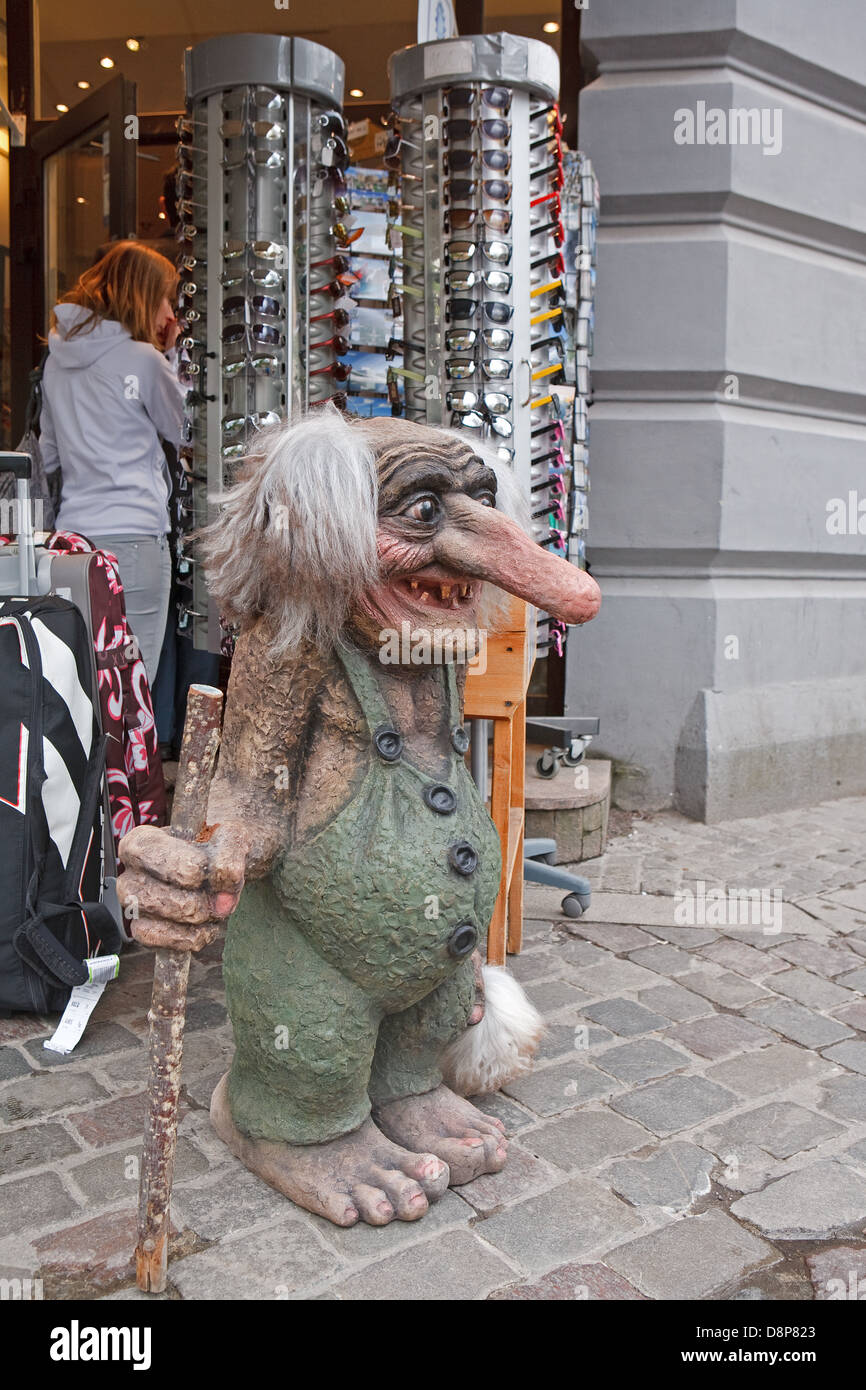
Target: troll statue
343,809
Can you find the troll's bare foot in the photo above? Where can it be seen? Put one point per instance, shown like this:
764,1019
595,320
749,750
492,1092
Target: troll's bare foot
469,1142
360,1176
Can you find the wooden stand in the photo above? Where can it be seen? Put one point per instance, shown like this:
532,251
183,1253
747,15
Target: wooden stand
499,693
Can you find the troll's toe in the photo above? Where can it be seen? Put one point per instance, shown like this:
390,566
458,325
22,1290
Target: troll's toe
359,1176
448,1126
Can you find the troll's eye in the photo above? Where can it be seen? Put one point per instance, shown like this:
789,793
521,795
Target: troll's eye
425,509
486,499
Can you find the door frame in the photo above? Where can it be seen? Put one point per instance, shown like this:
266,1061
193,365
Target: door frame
113,102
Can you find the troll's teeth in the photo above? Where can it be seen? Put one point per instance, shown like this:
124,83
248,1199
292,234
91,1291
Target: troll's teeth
423,596
413,584
465,590
445,591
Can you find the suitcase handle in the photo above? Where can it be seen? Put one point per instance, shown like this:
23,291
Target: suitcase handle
19,464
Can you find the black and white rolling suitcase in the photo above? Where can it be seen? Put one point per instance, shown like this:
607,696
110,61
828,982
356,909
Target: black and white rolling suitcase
58,910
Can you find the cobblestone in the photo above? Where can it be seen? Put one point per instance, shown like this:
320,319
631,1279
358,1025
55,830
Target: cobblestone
781,1129
585,1139
673,1177
681,1102
798,1023
691,1258
763,1031
814,1203
625,1017
770,1069
569,1223
718,1035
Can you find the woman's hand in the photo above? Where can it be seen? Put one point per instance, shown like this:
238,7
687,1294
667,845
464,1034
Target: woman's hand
167,326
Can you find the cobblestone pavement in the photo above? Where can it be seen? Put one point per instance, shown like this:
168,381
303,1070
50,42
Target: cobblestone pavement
694,1127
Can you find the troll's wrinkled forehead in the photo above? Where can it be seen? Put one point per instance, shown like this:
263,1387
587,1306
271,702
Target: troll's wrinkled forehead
412,458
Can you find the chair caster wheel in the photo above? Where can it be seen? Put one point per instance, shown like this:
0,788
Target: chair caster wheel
572,906
546,766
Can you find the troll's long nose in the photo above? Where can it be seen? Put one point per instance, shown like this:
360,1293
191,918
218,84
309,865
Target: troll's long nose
483,543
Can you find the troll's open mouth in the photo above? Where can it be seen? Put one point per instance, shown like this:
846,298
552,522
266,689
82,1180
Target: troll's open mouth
447,594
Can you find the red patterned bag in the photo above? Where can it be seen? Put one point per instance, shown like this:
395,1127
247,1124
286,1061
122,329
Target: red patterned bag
133,767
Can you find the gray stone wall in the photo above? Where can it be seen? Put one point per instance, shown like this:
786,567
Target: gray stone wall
728,663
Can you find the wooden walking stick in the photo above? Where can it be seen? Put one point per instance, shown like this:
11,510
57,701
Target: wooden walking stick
201,737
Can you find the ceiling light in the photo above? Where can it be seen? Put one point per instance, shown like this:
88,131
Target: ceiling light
61,106
81,200
356,92
551,27
133,45
106,62
83,85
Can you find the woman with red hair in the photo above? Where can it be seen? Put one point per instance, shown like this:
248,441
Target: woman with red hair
110,396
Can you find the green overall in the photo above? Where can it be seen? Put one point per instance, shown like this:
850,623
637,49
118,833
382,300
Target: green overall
348,970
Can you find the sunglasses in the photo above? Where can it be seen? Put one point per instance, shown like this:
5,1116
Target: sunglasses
497,160
460,190
262,250
337,288
256,332
468,308
334,153
274,132
328,123
553,229
458,368
555,428
233,424
340,345
474,420
551,115
340,371
499,281
263,364
459,251
493,128
464,339
495,402
494,98
262,304
555,263
555,172
461,219
553,198
340,317
554,287
262,279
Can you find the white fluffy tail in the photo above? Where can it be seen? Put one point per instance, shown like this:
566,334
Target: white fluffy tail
501,1046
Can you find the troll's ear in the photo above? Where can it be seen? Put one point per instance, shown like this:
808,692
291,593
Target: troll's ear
295,537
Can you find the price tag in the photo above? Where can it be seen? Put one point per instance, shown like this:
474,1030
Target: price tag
82,1002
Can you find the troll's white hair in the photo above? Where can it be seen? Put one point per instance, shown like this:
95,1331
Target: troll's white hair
294,540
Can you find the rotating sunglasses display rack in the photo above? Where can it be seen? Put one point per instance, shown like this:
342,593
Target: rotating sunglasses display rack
264,285
476,213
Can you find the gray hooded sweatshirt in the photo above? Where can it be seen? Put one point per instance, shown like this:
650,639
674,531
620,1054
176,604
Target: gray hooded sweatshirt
107,400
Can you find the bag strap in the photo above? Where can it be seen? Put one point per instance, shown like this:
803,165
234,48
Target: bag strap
34,400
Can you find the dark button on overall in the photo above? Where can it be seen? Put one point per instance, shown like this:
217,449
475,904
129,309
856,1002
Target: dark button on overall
462,857
440,798
389,744
462,940
460,739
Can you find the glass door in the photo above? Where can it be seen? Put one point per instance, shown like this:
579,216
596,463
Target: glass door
77,192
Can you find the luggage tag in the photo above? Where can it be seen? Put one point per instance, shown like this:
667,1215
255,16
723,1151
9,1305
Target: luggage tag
82,1002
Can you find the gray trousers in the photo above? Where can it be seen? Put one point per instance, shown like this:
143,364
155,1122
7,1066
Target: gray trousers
145,573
